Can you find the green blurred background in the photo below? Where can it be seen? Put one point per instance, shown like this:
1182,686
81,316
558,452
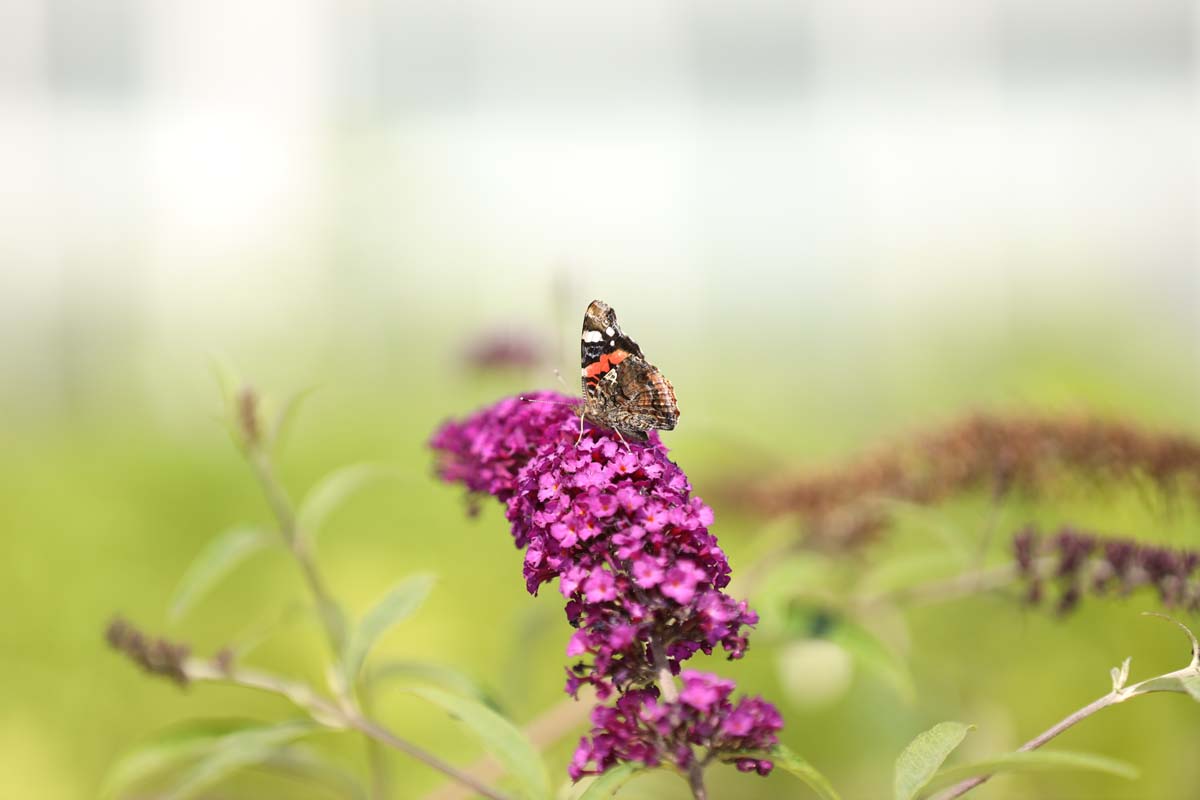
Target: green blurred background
828,223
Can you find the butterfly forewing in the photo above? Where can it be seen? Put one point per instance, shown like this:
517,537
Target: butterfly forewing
622,390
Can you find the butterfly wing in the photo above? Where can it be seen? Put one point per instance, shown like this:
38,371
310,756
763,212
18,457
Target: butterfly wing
622,390
602,346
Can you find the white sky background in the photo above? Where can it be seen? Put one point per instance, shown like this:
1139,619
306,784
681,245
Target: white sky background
209,170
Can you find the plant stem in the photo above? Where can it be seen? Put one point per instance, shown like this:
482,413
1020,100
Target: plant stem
959,789
330,713
963,584
332,621
696,781
1167,682
297,544
376,761
666,681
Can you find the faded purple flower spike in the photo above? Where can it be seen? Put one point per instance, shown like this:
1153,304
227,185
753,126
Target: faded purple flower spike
1081,562
500,350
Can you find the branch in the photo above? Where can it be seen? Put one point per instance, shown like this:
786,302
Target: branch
329,713
171,660
1181,680
298,545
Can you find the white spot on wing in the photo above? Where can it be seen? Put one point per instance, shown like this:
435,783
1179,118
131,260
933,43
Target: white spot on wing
609,331
583,371
592,336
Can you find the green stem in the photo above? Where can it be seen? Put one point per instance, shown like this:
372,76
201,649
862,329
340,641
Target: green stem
332,621
1119,694
331,713
958,790
376,758
297,543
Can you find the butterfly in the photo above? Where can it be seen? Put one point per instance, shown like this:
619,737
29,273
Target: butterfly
621,389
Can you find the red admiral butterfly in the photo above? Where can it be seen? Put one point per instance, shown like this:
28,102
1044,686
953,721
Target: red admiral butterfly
621,389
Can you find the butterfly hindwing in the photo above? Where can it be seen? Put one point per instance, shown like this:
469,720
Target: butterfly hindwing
622,390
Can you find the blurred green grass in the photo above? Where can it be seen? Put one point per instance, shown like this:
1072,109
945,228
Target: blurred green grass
108,498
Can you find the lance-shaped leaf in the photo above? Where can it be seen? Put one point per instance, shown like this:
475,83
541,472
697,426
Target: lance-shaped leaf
1195,662
282,419
228,382
215,561
337,487
608,782
434,675
924,755
236,751
1191,684
503,740
793,764
168,750
1186,680
225,375
1033,761
312,767
400,602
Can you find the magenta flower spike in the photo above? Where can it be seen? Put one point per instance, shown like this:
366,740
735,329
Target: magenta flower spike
616,525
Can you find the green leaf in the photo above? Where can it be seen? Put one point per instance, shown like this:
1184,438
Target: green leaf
503,740
433,674
282,419
401,601
1195,662
874,656
334,489
167,750
311,766
225,375
1191,684
236,751
1186,682
608,782
253,637
214,562
228,382
924,755
789,762
1033,761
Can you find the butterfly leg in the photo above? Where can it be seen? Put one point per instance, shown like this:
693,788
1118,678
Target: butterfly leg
581,417
623,441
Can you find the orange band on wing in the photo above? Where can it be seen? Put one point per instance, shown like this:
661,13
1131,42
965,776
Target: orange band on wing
606,362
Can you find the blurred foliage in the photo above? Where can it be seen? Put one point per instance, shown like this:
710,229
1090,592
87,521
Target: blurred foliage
110,495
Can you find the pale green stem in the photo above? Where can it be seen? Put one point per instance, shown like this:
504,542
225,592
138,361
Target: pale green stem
1160,683
327,609
330,713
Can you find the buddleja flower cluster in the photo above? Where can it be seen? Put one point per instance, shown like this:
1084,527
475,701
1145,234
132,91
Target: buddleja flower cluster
1080,562
641,727
642,577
